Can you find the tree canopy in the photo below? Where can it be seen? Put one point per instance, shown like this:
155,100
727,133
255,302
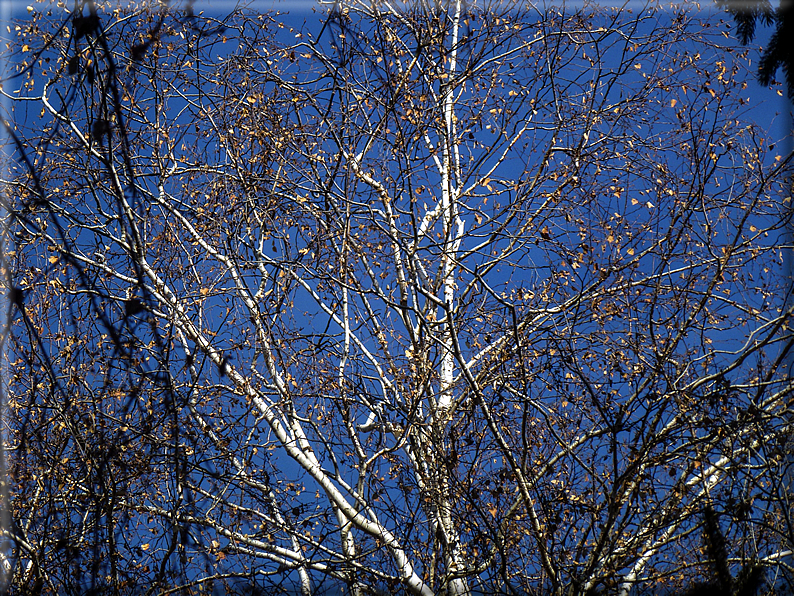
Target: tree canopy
779,52
437,298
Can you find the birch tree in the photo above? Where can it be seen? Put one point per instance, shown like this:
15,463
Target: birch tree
428,299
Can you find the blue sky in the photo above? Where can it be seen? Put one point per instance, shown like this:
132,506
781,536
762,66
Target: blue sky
764,103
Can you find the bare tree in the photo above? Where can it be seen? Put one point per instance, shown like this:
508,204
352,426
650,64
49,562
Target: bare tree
429,299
